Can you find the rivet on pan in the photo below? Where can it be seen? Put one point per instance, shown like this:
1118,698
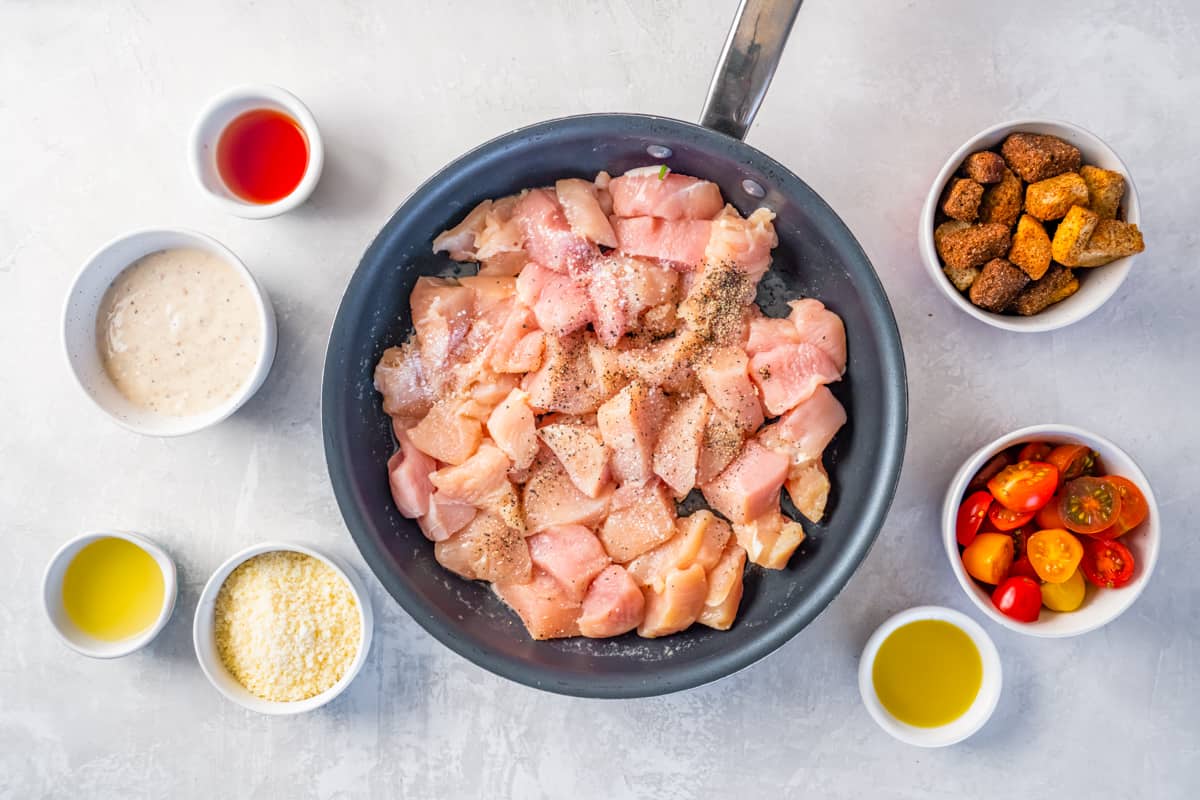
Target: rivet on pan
659,151
753,188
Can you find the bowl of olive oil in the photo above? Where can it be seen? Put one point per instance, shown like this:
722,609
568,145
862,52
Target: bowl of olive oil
109,593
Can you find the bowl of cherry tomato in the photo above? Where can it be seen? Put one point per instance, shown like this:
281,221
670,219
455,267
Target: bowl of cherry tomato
1051,530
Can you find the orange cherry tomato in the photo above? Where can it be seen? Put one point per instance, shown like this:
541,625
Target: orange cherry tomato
1048,517
1134,508
1054,554
1006,520
1072,460
1034,451
1089,505
1025,486
970,516
988,558
1108,565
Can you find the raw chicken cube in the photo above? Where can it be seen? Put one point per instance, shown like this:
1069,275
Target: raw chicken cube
545,607
725,589
549,239
445,517
550,498
447,434
808,486
677,605
560,303
621,288
745,242
566,381
629,424
641,517
770,539
613,604
400,378
821,328
512,428
699,539
442,310
582,453
788,374
459,241
722,443
677,454
680,243
408,476
749,487
726,379
487,549
571,554
482,481
804,432
581,205
501,241
645,192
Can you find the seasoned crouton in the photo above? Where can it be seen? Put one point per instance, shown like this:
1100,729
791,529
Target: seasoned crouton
1105,189
1002,202
1030,247
1072,235
1057,284
949,226
1053,197
998,284
972,246
1036,157
1112,239
984,167
962,277
962,200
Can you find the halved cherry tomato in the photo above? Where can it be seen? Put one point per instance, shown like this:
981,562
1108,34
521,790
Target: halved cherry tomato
1055,554
1006,520
1065,596
1072,460
1034,451
970,516
989,471
1133,508
1089,505
1048,516
1020,539
1025,486
1019,598
1106,564
1022,568
988,557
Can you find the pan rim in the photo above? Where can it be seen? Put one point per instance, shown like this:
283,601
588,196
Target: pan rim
663,678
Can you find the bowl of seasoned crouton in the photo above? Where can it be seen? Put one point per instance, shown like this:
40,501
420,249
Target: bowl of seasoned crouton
1031,225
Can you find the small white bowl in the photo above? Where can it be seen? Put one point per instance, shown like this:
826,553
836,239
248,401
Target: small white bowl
1101,606
223,109
52,600
79,331
204,637
973,719
1096,284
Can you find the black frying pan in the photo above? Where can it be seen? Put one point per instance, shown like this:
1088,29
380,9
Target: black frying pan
817,256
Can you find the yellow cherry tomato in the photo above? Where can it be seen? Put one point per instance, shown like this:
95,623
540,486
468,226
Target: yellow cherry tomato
1054,554
988,558
1065,596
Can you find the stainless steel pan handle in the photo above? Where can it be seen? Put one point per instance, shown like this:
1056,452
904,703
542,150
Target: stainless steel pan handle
747,64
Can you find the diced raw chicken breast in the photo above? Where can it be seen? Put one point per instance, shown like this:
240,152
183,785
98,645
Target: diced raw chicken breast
486,549
550,498
643,193
677,454
629,424
445,517
603,193
725,589
726,379
621,288
808,486
699,539
400,378
489,290
770,539
571,554
788,374
549,239
607,375
642,516
667,363
408,476
505,264
678,605
459,241
804,432
613,604
482,481
447,434
581,205
545,607
749,487
517,348
560,304
513,429
582,453
490,390
767,333
680,243
566,380
441,311
722,443
821,328
501,235
745,242
718,304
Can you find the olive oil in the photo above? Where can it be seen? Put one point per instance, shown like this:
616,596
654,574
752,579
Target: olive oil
927,673
113,589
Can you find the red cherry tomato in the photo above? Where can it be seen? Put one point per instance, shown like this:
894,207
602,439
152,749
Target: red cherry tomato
1034,451
1020,598
1022,568
970,516
1133,508
1106,564
1006,520
1025,486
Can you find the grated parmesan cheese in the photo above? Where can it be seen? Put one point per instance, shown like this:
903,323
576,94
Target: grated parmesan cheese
287,626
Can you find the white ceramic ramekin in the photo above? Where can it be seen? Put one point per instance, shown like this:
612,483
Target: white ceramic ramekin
204,638
52,599
223,109
1100,606
79,331
1096,284
973,719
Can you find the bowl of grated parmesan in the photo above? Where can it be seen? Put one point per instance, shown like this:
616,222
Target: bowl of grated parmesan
282,628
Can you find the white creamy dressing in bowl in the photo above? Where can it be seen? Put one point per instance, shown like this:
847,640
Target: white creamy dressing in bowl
178,331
